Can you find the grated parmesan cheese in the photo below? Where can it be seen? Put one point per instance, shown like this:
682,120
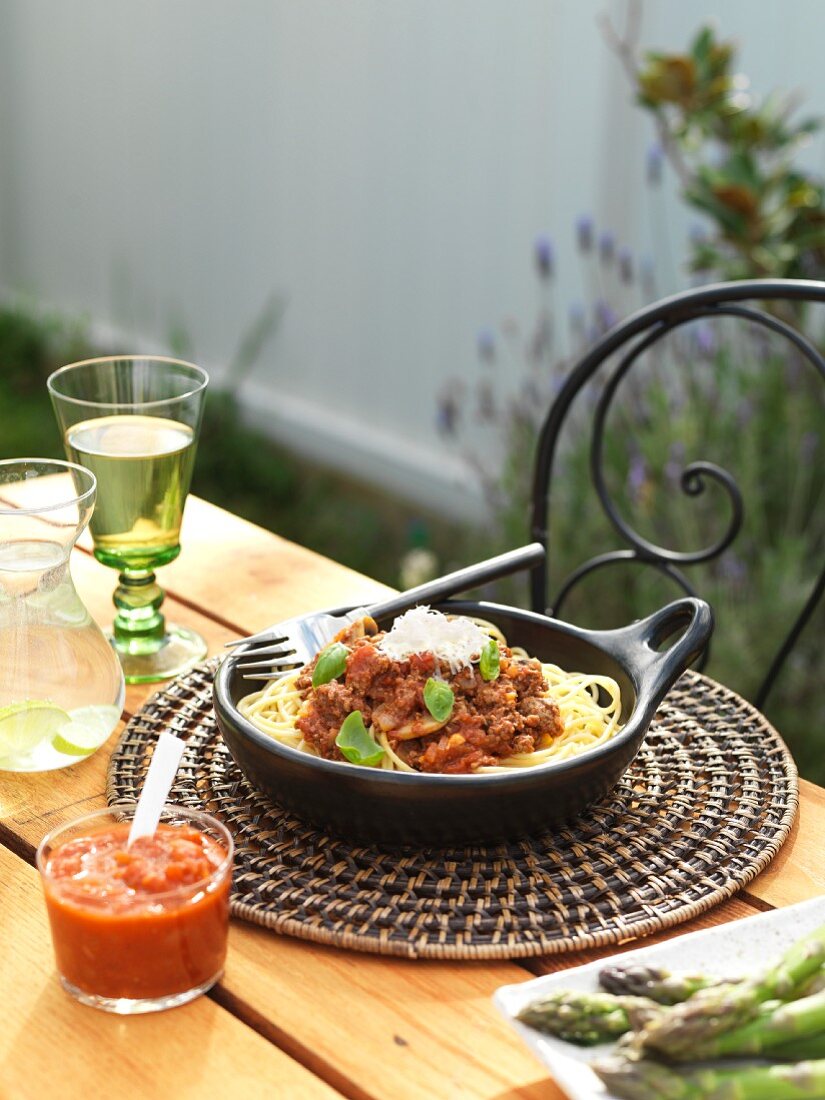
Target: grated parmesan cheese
454,641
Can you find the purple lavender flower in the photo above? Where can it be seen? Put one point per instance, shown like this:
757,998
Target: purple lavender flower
676,461
545,256
704,340
607,247
625,259
732,569
636,476
486,344
606,316
655,163
585,231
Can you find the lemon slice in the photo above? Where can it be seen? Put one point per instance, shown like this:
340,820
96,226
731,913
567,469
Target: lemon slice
85,729
24,725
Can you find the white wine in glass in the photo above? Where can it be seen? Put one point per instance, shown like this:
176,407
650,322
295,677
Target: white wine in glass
146,463
133,421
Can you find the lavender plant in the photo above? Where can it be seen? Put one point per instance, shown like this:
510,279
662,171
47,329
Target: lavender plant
720,392
723,392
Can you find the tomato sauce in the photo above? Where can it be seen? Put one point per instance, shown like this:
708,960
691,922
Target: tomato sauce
490,719
146,922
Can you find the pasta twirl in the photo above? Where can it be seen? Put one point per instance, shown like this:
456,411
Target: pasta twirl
589,712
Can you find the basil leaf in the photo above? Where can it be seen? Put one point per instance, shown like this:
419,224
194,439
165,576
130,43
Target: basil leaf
438,699
488,666
357,743
331,663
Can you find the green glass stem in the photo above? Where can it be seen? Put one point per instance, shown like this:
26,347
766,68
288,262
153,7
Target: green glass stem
139,627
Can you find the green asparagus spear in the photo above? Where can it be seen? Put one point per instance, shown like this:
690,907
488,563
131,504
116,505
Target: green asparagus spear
587,1018
664,986
813,985
670,987
686,1027
644,1079
799,1050
791,1021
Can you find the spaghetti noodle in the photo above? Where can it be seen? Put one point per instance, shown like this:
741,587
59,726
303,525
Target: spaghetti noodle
578,711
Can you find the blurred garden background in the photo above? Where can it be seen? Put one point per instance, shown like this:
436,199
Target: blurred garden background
388,232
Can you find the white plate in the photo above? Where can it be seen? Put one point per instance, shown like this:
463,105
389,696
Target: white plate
740,947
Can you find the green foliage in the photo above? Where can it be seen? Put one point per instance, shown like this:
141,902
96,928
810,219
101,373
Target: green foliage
33,343
236,467
734,157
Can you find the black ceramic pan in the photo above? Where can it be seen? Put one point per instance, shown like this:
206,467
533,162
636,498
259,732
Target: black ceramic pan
369,805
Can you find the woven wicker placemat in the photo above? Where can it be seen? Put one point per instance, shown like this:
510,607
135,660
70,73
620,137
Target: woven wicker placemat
702,810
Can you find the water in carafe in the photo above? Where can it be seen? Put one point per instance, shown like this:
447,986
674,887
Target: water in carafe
61,685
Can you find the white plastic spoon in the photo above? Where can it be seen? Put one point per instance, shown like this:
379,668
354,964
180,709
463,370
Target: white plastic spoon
156,786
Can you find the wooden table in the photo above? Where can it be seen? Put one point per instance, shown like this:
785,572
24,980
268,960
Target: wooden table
290,1019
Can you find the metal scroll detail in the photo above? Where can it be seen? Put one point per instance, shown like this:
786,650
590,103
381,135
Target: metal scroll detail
638,334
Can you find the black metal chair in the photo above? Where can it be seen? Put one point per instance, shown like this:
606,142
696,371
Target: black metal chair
622,346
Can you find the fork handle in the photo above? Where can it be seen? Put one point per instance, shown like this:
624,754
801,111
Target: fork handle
462,579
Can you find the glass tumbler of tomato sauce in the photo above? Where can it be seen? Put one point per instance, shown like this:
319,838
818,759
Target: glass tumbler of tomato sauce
140,928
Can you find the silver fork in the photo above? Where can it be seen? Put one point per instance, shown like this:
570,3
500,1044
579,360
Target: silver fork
294,642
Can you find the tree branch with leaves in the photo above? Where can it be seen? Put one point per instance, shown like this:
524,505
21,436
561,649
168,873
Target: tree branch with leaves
734,154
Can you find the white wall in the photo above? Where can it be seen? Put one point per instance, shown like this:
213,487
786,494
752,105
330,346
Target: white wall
384,165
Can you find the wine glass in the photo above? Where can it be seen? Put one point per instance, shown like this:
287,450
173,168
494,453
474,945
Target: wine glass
133,421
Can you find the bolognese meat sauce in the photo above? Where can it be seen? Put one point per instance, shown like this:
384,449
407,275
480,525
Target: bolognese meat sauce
490,720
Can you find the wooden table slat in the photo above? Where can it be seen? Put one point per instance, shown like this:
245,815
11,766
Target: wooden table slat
395,1027
798,870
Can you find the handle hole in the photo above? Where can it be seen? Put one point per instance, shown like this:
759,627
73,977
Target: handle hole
667,637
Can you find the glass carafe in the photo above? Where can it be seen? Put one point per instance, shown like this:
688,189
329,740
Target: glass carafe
61,685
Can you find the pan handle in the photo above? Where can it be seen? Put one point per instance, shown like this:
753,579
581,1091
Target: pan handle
463,579
638,646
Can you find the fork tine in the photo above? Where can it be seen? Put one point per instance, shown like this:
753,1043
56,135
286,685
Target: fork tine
266,651
263,636
283,663
263,676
